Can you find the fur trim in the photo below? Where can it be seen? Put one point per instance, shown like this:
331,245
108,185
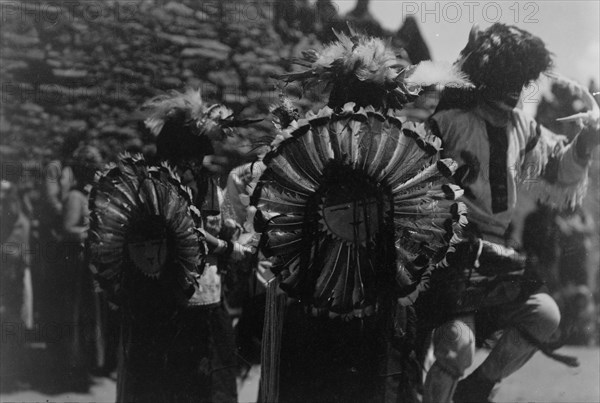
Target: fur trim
539,176
555,195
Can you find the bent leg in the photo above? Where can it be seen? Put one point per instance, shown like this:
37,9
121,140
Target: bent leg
454,348
539,317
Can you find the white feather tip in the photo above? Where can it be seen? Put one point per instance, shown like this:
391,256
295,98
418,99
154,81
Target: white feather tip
428,73
158,109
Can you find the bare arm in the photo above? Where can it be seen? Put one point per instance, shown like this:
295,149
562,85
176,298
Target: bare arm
74,217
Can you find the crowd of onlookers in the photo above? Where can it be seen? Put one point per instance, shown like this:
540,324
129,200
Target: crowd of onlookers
56,329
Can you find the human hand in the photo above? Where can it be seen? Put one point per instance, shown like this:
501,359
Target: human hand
215,164
263,271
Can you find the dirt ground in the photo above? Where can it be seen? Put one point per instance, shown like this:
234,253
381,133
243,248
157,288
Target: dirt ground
540,380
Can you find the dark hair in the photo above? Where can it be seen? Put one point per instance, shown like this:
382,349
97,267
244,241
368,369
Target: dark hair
178,141
85,162
503,58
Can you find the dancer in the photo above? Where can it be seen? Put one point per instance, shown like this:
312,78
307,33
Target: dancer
354,201
211,125
14,240
148,247
499,150
72,299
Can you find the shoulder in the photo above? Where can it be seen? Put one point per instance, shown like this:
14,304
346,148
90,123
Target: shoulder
449,115
75,197
75,194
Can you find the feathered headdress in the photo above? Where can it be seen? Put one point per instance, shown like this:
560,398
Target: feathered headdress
186,106
129,200
366,71
185,125
340,191
355,201
189,108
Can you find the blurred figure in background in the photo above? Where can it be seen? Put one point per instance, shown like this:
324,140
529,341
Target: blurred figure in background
57,180
245,281
72,298
559,245
577,237
15,315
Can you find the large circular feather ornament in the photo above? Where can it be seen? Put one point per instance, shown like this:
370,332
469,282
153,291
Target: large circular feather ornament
352,199
141,217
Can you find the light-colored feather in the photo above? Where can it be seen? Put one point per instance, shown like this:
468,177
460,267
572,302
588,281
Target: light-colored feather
370,59
160,108
443,74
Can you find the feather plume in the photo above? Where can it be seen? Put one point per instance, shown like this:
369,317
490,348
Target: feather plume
285,119
370,59
365,70
442,74
188,105
284,114
188,108
355,68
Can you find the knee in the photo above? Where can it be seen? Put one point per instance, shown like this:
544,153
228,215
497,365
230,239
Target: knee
454,347
546,316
